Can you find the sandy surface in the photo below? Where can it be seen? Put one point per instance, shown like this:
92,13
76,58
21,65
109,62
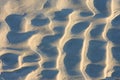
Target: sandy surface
59,39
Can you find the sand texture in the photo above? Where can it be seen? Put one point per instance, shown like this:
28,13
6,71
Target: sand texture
59,39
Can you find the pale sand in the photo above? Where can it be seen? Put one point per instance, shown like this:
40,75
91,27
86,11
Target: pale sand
59,39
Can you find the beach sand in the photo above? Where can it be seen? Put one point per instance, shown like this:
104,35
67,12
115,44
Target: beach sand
59,39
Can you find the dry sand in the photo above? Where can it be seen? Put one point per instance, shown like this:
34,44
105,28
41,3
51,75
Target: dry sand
59,39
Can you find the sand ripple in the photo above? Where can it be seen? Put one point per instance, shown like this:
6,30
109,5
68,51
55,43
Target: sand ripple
59,39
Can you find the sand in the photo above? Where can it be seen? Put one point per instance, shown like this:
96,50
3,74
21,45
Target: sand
59,39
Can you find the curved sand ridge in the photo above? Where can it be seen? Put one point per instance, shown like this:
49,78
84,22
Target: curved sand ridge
59,39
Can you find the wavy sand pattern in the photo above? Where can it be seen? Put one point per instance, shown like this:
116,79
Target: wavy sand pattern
59,39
